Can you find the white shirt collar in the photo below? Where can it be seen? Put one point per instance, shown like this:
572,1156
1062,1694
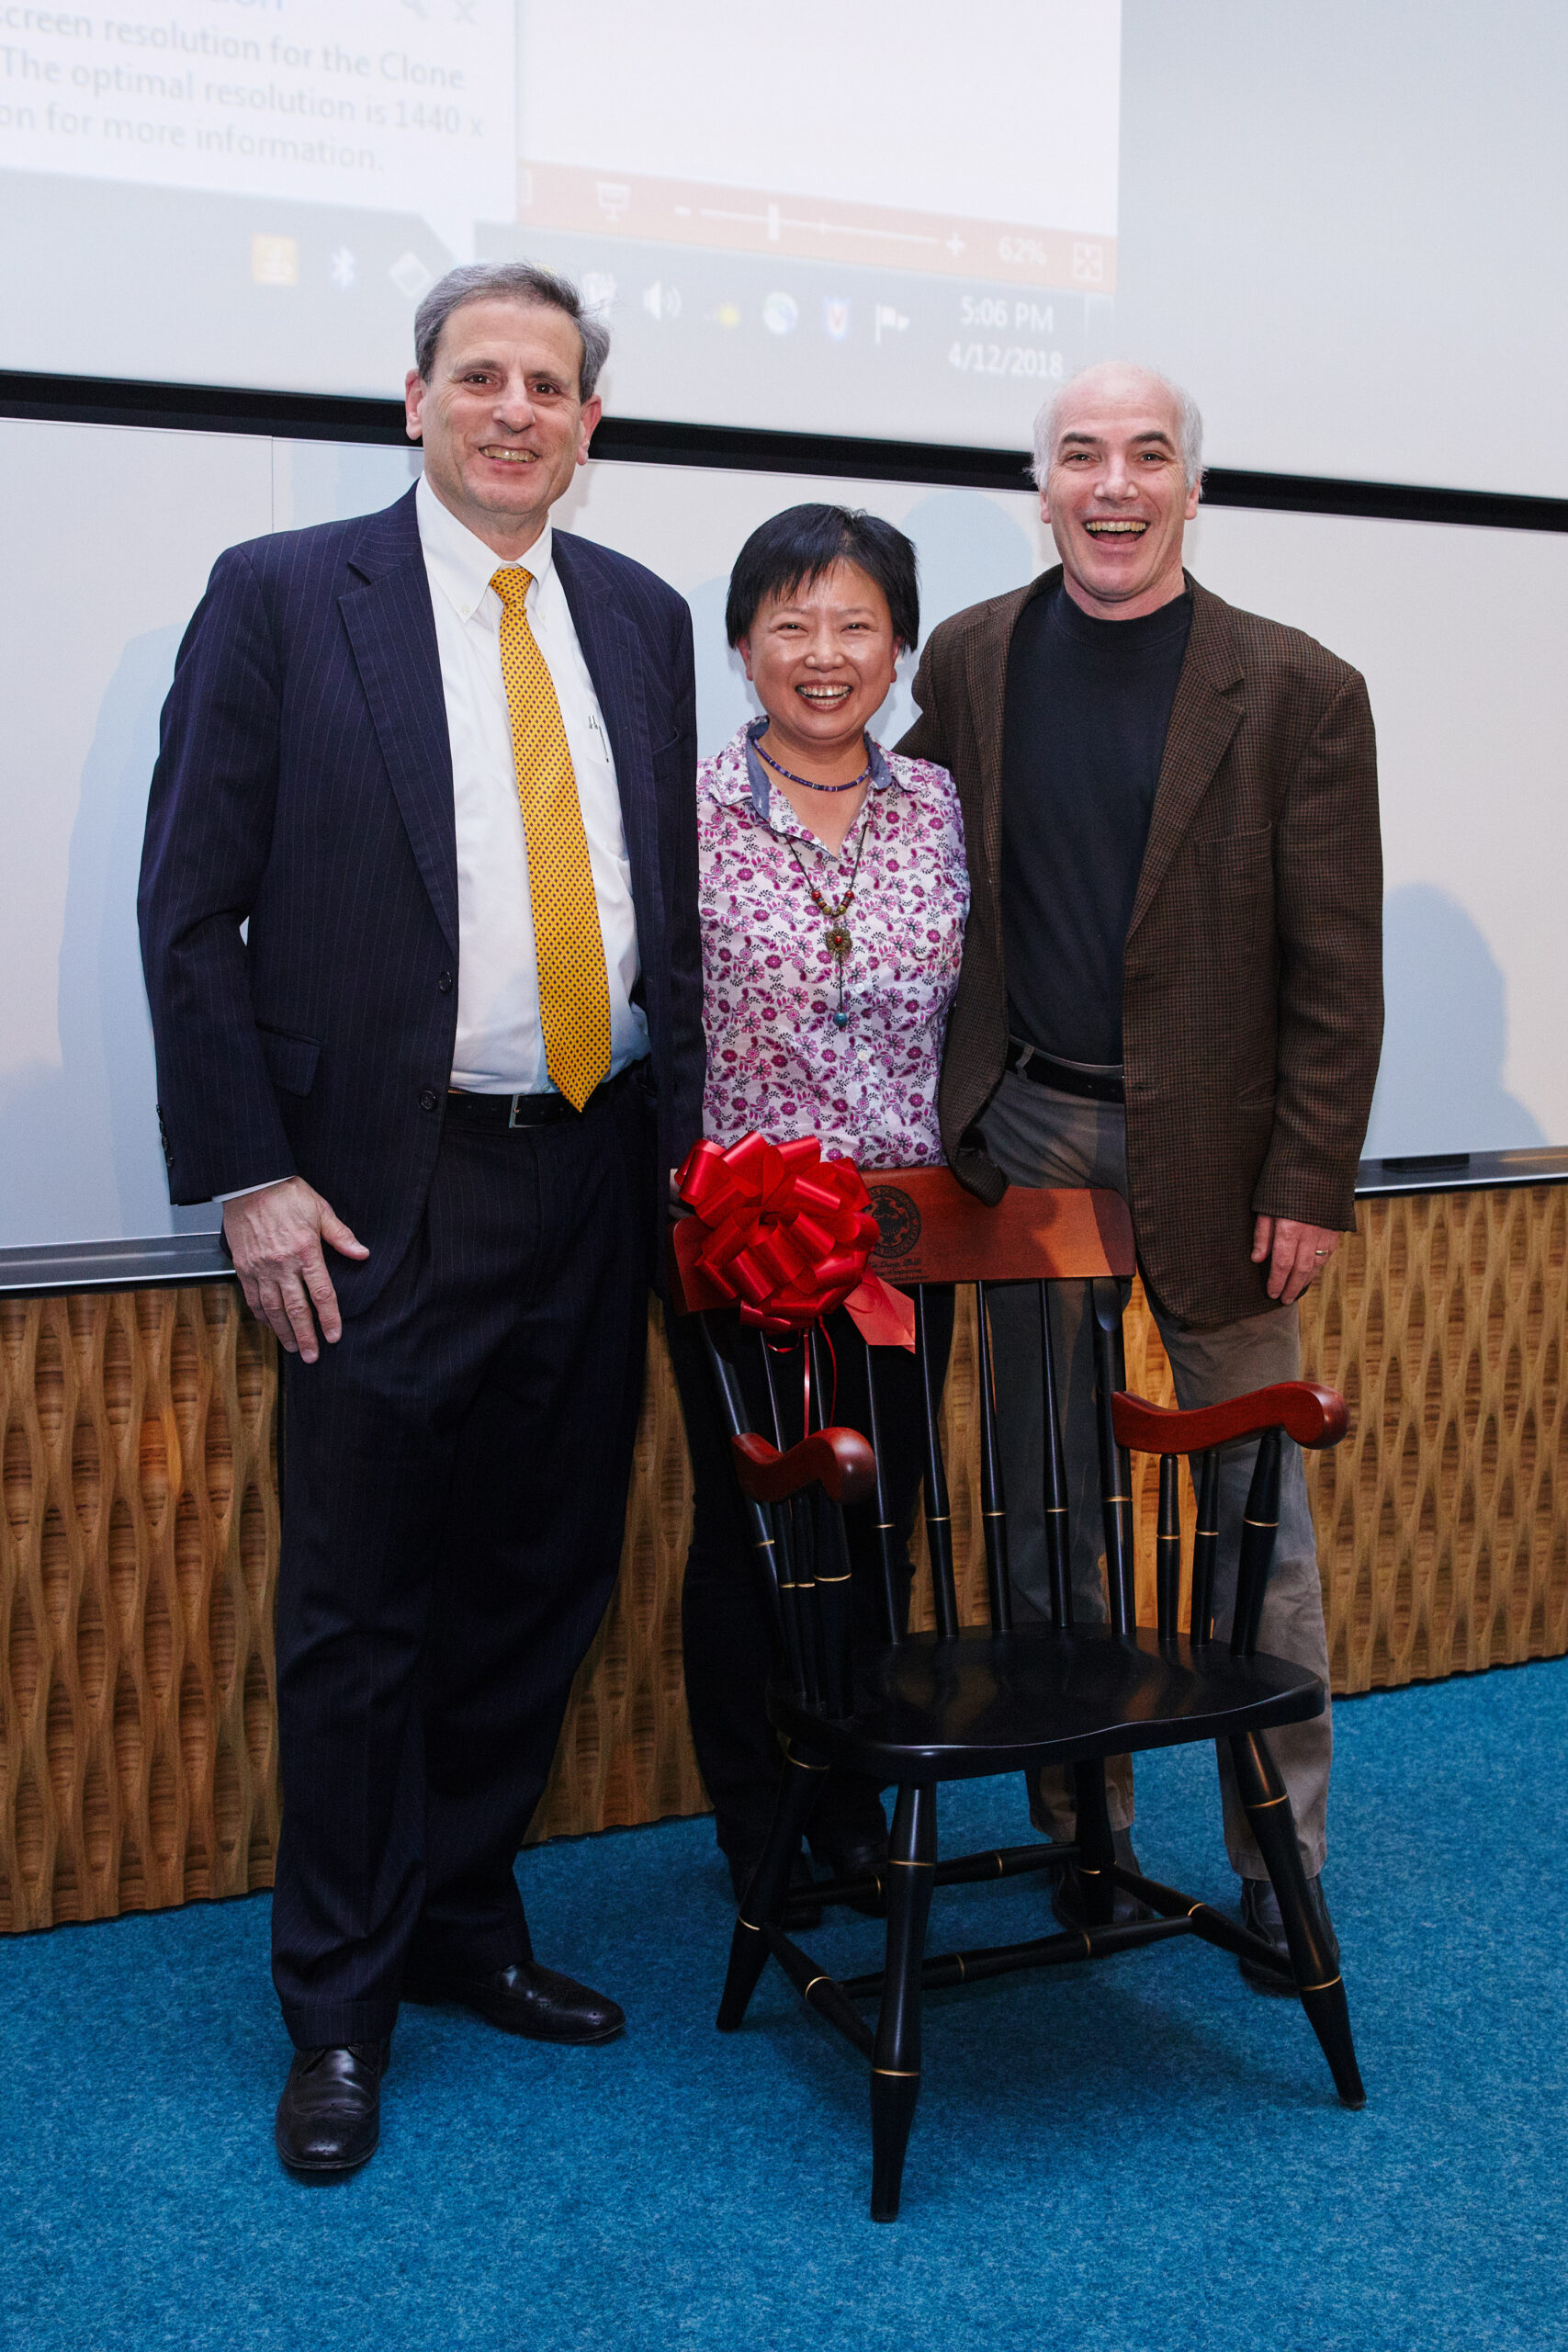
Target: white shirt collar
460,562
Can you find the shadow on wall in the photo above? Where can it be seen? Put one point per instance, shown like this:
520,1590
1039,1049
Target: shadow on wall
82,1158
969,549
1440,1087
326,482
82,1161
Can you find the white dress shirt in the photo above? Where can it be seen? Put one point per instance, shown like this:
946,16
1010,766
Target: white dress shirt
500,1046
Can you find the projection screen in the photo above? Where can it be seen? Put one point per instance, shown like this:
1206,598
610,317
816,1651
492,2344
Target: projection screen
1343,226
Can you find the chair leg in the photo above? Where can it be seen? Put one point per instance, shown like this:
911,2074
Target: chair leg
895,2062
762,1904
1095,1843
1316,1965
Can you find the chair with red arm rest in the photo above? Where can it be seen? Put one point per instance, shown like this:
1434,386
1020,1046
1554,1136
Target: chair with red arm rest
961,1703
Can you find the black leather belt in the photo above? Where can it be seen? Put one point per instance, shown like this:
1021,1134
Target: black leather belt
1095,1086
526,1110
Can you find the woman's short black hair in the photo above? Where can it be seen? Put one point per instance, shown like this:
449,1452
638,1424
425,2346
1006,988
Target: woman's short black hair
792,549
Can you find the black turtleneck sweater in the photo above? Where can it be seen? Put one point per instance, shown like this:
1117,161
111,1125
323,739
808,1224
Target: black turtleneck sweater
1087,705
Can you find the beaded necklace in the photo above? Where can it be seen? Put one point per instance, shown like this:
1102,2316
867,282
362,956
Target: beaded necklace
838,940
790,777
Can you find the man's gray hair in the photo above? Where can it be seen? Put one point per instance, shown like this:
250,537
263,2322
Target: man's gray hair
1188,422
509,281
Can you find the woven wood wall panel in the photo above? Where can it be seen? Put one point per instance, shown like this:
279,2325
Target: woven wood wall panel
139,1546
140,1535
1442,1518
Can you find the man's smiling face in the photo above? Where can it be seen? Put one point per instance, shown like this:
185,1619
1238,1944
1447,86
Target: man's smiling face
501,419
1116,494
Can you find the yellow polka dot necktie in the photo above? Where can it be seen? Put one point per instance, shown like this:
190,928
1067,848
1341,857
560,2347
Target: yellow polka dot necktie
574,994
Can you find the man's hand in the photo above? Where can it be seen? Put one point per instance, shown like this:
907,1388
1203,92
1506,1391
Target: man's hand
1294,1252
276,1237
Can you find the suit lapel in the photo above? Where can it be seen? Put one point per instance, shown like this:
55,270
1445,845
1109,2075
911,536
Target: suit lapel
985,653
391,627
611,647
1204,716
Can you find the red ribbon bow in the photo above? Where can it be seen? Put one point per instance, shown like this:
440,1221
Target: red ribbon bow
786,1234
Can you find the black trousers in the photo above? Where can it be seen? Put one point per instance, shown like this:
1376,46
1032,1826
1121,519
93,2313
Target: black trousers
455,1491
726,1629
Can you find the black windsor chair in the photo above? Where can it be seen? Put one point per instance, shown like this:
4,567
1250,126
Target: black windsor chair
963,1703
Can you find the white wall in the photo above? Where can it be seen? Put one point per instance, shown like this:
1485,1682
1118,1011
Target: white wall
1460,634
91,612
1457,630
1342,226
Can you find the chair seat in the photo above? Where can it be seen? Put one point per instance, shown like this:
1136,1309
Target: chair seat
930,1709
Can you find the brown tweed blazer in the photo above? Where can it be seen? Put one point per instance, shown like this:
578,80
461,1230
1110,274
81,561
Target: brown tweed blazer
1253,969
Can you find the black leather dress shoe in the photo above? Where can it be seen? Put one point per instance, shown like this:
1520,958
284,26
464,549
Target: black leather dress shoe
1260,1912
1066,1894
857,1856
524,1998
329,2118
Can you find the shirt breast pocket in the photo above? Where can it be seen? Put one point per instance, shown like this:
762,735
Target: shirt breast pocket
1239,852
1234,878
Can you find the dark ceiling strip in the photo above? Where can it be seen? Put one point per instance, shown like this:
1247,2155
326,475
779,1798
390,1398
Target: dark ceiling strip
303,416
198,407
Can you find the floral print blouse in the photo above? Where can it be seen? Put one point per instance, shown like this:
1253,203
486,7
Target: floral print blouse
778,1061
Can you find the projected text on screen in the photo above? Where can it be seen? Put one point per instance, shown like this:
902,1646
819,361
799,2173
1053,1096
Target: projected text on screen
363,102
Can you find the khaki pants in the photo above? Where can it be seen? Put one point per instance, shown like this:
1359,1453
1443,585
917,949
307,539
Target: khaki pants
1038,1136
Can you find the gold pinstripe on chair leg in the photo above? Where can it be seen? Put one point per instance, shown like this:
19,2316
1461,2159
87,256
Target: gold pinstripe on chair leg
895,2064
1316,1964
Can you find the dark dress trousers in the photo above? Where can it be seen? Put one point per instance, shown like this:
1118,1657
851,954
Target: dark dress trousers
456,1465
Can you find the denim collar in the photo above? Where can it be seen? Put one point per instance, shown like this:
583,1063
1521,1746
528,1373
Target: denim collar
757,776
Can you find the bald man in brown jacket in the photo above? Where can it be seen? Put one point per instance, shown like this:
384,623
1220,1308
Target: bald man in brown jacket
1171,986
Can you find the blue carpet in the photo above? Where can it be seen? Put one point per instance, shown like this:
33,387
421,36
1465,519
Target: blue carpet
1142,2157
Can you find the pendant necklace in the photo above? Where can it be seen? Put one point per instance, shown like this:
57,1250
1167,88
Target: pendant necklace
837,939
790,777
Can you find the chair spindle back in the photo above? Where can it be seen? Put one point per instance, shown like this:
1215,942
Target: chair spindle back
1115,1462
886,1530
939,1508
993,1502
797,1536
938,1232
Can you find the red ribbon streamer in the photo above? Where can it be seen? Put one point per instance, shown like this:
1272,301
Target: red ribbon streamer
784,1235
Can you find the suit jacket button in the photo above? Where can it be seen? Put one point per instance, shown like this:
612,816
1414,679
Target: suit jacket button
445,984
429,1098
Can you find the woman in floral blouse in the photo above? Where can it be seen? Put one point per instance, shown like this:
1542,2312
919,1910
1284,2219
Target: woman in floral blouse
833,895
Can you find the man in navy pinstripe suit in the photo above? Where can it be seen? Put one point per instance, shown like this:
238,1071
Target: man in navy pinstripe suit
361,1014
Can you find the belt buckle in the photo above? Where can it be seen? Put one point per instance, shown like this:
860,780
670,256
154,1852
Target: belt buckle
511,1118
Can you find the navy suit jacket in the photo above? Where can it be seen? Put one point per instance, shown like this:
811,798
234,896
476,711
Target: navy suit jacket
303,791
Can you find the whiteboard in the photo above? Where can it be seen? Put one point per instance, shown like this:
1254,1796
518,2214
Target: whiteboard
1458,631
